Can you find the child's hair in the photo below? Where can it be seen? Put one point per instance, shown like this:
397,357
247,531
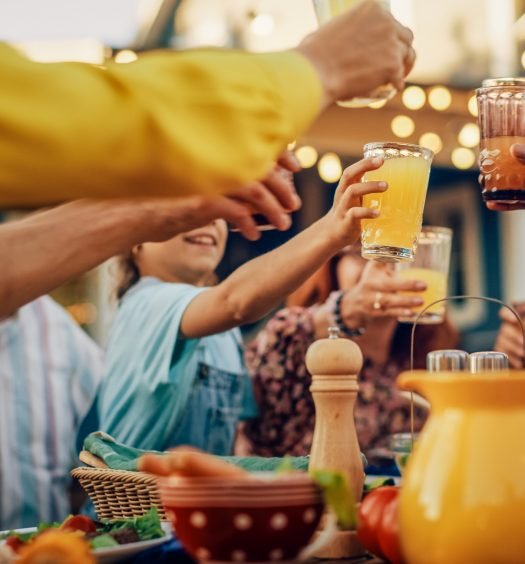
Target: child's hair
127,274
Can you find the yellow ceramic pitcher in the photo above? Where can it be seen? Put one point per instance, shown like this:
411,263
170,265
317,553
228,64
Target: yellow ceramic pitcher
463,494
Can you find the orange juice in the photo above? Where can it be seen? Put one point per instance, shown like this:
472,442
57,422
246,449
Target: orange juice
401,208
502,177
436,290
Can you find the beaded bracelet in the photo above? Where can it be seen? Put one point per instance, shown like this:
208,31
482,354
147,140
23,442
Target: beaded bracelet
339,320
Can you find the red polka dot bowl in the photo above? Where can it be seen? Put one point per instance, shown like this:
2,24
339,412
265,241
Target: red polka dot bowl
266,518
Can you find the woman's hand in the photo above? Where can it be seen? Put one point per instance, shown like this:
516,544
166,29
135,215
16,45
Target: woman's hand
343,221
510,337
377,295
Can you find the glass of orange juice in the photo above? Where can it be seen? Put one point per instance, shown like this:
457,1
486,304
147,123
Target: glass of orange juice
392,237
325,10
431,264
501,108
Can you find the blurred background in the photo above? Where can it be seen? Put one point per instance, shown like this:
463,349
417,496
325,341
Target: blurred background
458,45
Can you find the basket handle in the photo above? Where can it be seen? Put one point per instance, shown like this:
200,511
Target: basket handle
451,298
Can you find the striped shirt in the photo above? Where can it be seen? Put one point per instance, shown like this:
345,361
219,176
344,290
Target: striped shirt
49,375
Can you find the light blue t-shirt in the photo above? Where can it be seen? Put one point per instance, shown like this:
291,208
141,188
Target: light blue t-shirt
161,390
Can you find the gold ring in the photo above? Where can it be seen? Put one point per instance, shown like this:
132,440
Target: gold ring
377,302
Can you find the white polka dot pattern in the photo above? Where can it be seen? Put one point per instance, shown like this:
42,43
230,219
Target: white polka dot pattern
276,555
309,516
202,554
198,520
242,522
279,521
238,556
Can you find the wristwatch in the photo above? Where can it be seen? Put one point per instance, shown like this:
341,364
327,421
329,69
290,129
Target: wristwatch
338,319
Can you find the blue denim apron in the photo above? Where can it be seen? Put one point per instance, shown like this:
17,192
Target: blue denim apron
212,412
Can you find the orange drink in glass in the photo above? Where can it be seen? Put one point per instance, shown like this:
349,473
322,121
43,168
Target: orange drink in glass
392,237
431,265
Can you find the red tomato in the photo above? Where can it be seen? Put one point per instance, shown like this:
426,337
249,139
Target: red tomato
370,515
79,523
389,533
14,543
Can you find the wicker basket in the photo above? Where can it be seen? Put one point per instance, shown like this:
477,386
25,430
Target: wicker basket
119,494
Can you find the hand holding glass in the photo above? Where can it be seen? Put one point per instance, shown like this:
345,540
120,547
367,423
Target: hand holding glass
392,237
325,10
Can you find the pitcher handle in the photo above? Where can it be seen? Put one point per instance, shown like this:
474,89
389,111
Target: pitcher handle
450,298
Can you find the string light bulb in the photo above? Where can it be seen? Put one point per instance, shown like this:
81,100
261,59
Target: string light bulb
463,158
125,56
469,135
307,156
403,126
439,98
330,168
414,97
431,141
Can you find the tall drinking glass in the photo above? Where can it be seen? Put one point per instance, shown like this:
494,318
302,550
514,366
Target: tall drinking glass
501,111
325,10
392,237
431,264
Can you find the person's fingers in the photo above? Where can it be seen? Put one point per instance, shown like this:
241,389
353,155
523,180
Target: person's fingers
235,213
393,284
262,200
155,464
510,347
280,183
355,172
518,152
388,302
392,312
289,161
356,214
506,315
493,206
362,188
405,34
398,70
410,60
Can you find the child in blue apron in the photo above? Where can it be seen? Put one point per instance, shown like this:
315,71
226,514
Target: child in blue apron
175,368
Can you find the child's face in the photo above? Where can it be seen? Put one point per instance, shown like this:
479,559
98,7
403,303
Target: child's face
190,257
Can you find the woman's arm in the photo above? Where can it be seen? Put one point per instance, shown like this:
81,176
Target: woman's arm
259,285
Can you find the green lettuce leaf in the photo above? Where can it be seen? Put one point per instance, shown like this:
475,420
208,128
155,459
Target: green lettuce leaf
103,541
338,496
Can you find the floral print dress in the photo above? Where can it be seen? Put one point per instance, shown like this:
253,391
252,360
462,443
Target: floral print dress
286,422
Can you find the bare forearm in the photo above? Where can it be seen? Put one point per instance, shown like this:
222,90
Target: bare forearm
257,287
49,248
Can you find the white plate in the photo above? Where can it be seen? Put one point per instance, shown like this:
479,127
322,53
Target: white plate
116,553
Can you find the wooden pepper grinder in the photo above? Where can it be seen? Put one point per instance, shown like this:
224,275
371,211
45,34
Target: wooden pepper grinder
334,364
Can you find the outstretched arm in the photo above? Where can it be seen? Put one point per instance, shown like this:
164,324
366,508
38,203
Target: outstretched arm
259,285
48,248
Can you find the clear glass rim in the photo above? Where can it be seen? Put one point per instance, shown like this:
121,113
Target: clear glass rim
435,233
501,83
436,229
427,153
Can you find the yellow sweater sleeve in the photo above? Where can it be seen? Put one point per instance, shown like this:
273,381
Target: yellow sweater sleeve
169,124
